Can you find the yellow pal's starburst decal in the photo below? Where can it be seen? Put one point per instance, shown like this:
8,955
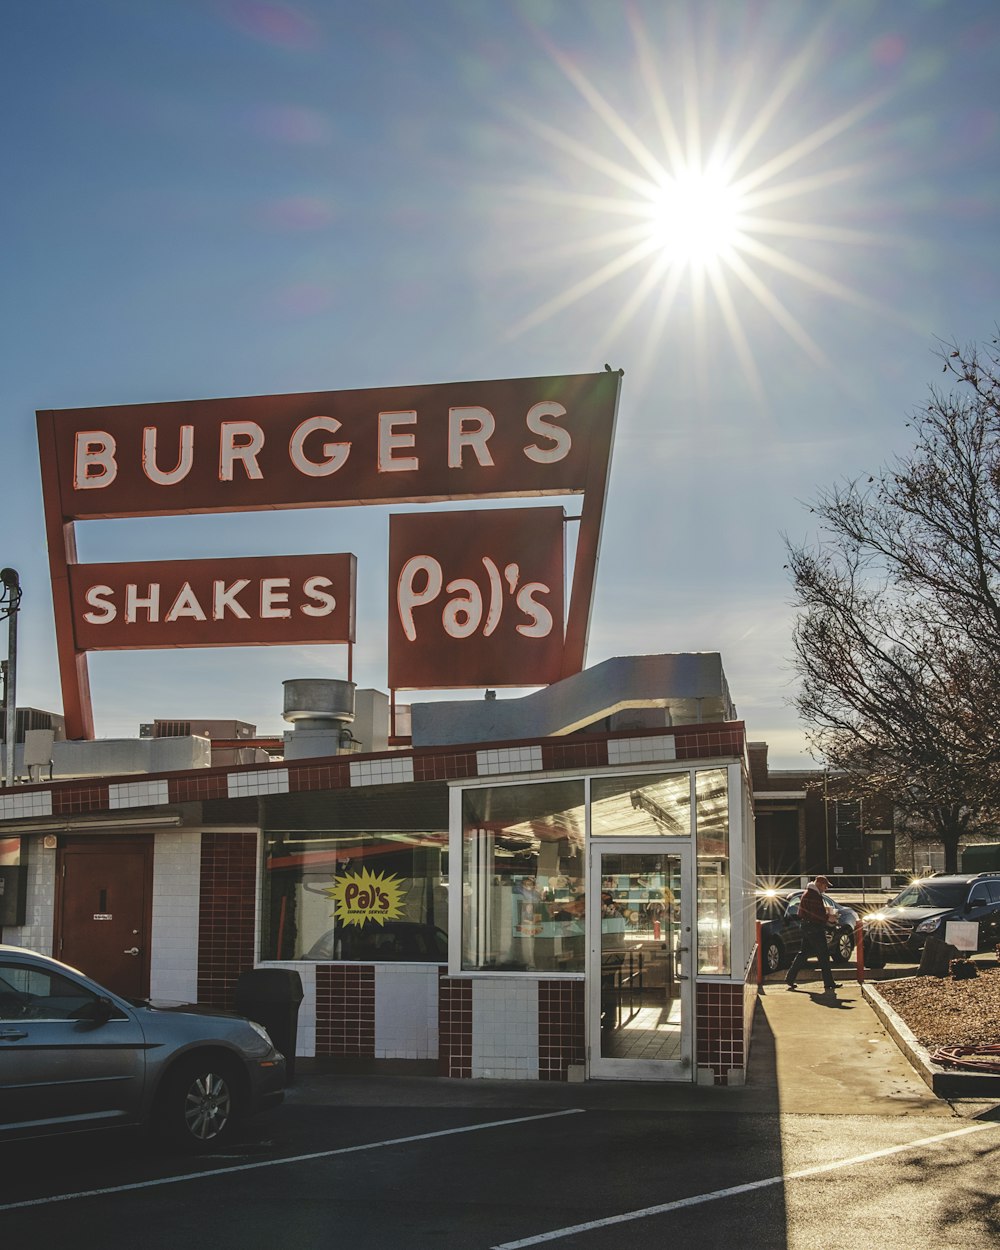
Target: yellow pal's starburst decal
360,897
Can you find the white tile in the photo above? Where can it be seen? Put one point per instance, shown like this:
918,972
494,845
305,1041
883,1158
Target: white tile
642,750
406,1012
263,781
33,803
173,969
499,760
504,1028
381,772
138,794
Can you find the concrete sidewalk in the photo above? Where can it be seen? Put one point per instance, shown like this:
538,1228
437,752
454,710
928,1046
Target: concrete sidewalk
830,1054
812,1054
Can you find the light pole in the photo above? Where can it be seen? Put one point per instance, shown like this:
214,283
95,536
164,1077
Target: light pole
10,601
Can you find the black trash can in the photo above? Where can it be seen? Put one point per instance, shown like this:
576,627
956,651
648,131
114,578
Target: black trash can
271,996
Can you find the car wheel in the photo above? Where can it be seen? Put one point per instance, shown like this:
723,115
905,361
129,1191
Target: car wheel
874,955
200,1105
843,946
773,955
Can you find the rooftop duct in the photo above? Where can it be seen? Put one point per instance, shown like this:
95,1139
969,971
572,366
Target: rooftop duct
321,711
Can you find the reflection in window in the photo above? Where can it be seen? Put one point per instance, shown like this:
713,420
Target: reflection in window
712,843
641,806
33,994
360,895
523,883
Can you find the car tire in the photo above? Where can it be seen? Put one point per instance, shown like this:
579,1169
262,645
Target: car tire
200,1105
773,955
874,956
843,946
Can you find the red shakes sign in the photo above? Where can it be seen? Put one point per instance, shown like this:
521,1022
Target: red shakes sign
254,601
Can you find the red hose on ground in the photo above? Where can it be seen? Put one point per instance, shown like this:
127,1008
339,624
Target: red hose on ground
982,1058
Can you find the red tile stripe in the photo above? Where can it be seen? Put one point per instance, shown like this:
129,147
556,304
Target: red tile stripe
455,1026
561,1028
345,1010
720,1041
226,914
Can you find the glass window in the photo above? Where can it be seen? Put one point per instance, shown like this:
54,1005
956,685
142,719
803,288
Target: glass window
641,806
931,894
523,885
33,994
369,895
712,843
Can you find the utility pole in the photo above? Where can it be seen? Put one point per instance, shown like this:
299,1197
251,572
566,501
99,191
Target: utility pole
10,601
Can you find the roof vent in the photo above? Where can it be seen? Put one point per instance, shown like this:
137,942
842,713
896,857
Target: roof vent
312,703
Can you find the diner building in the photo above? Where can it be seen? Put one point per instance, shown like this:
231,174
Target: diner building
554,887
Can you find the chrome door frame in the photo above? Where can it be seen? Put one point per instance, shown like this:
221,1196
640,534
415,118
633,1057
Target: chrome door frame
684,1068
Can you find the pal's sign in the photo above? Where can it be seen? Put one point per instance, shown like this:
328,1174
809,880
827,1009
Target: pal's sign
475,597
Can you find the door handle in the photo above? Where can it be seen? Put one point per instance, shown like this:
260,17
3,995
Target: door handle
12,1035
132,950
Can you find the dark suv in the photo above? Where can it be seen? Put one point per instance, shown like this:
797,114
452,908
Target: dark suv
922,910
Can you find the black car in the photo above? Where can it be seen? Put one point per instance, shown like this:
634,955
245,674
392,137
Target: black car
922,910
781,934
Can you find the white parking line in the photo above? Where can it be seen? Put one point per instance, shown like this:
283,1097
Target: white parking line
274,1163
699,1199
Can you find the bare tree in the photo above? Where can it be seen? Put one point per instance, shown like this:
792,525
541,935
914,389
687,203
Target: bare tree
897,642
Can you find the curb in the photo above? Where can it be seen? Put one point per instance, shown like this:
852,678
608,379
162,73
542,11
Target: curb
944,1082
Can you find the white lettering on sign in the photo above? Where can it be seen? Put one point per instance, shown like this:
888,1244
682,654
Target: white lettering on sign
422,579
150,603
470,428
556,435
94,464
390,441
274,596
240,441
224,599
336,453
185,457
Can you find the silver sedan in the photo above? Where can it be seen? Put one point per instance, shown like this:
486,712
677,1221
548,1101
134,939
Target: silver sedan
75,1056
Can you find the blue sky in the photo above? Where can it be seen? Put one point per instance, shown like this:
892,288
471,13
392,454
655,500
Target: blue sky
232,197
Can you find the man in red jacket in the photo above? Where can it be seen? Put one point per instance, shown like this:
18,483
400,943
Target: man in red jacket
812,921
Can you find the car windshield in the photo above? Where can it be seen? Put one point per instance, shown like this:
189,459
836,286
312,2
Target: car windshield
932,894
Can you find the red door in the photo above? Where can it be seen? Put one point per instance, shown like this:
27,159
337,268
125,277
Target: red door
104,908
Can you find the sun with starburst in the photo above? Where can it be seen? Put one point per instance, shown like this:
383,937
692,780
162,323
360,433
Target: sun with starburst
693,212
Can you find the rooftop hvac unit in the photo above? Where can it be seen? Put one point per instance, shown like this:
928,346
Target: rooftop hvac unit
227,729
34,718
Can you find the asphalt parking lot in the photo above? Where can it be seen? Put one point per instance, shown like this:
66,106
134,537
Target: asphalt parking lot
378,1162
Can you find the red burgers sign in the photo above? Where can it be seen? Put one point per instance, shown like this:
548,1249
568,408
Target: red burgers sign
514,438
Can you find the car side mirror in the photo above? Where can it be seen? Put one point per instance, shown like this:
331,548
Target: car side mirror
97,1011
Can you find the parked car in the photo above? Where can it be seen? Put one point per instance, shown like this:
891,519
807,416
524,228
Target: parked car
781,935
75,1056
922,910
398,940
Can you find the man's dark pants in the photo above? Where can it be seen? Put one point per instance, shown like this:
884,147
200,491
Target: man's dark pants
813,943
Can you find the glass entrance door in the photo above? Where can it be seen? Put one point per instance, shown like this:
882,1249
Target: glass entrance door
639,961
